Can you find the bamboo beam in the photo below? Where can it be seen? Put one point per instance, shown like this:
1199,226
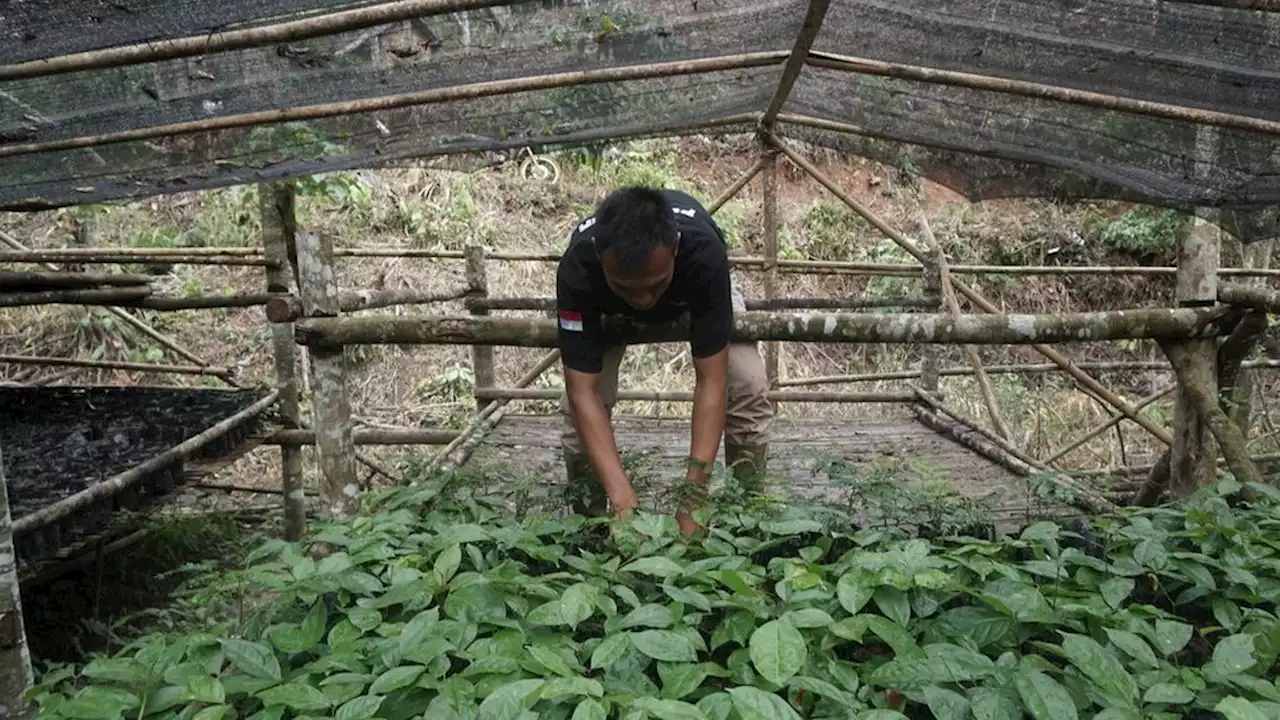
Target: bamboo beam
1257,298
1116,418
276,206
210,43
1125,366
769,191
953,306
113,485
368,436
732,191
1238,385
797,303
1197,382
931,355
105,296
809,29
331,406
977,299
468,91
484,373
137,324
682,396
72,280
288,308
16,674
114,365
1042,91
1175,324
102,257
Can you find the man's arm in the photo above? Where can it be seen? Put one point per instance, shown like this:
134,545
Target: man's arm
711,329
595,432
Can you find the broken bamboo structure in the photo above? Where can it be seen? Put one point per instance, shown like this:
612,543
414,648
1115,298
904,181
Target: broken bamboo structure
1170,324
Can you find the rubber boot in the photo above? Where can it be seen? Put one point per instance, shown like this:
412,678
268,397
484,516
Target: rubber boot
748,464
582,490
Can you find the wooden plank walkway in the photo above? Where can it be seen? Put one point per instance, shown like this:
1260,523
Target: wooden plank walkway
525,447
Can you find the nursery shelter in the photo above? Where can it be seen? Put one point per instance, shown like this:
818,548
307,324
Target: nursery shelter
1174,103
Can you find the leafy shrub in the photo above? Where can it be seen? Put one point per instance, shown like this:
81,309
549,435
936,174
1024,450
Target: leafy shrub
437,605
1146,231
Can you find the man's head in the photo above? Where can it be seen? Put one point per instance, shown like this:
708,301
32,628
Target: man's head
637,239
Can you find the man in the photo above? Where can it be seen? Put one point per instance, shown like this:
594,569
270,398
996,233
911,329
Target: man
651,256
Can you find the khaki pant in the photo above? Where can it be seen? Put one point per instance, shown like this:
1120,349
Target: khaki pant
748,414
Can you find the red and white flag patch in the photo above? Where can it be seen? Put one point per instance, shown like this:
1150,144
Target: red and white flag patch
571,320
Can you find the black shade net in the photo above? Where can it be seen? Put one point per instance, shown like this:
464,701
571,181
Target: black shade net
982,143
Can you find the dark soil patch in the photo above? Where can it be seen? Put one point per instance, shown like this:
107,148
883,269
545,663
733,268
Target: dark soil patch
59,441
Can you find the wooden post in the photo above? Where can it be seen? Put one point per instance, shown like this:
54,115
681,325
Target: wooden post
318,286
482,366
16,676
1254,256
1194,454
769,180
276,203
930,361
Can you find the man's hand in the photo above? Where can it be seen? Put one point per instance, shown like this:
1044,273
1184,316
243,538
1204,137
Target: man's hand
596,435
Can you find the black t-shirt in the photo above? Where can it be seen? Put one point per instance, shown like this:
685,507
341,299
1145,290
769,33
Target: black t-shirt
700,287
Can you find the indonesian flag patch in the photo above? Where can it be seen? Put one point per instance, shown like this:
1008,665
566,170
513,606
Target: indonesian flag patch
571,320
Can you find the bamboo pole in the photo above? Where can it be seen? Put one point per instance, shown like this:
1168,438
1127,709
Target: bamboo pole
251,37
137,324
113,485
1257,298
468,91
119,258
484,374
106,296
931,356
769,188
1040,91
1116,419
814,15
1172,324
732,191
797,303
331,406
16,674
368,436
115,365
276,204
1093,500
974,297
465,443
71,280
288,308
1125,366
1238,388
953,306
1198,383
683,396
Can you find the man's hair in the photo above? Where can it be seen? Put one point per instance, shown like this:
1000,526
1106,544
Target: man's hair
634,221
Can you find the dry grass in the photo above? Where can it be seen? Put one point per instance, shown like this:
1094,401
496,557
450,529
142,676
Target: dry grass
447,206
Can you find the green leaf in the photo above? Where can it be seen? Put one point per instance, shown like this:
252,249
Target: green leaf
656,566
1227,613
900,640
396,678
808,618
207,689
649,615
365,618
1169,694
508,701
590,709
880,714
688,597
946,704
756,704
778,651
551,661
213,712
361,708
665,645
680,679
1044,697
1116,590
1151,554
987,703
791,527
1234,654
417,630
1134,646
572,608
610,650
295,696
1100,666
122,671
253,659
448,562
96,702
716,706
975,624
576,686
1171,636
668,709
854,592
1238,708
895,604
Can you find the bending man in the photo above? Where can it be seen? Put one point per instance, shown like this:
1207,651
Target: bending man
645,257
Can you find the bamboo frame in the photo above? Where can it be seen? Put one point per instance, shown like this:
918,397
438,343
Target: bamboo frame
974,297
483,370
368,436
209,43
769,192
1116,419
285,308
809,29
28,281
685,396
729,193
644,71
1040,91
1122,366
752,304
103,296
115,365
113,485
127,258
1257,298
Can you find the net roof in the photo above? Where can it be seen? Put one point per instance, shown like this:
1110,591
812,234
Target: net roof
564,72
